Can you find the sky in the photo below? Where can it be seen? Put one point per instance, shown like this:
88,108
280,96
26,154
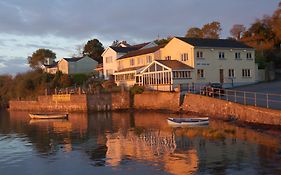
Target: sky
64,25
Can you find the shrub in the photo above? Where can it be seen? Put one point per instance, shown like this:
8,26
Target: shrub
136,89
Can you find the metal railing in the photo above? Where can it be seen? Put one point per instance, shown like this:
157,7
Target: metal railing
259,99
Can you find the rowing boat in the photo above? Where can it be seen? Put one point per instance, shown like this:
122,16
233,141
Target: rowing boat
188,121
48,116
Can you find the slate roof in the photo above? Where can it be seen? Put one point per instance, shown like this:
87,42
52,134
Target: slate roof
73,59
221,43
142,51
52,65
174,64
123,49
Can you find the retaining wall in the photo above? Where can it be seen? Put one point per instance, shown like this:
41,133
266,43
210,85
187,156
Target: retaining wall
47,103
75,103
157,101
106,102
224,110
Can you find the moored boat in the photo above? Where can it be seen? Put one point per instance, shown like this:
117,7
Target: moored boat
188,121
48,116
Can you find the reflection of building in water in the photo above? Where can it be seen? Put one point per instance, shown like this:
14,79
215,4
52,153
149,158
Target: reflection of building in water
150,146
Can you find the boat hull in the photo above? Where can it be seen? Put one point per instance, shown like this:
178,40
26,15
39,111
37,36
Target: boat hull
48,116
179,122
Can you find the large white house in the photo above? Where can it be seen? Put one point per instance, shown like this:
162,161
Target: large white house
112,53
189,60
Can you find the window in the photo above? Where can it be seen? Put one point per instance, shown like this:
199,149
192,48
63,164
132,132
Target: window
108,59
132,62
199,54
237,55
221,55
140,61
231,73
249,55
182,74
168,58
148,59
184,57
246,73
200,73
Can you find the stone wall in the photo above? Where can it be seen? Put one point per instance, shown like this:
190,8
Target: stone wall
224,110
47,103
106,102
77,103
157,101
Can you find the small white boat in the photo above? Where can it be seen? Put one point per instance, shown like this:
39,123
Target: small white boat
48,116
178,122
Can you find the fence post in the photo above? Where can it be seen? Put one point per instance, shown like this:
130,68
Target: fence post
267,105
235,96
255,99
245,101
226,93
219,94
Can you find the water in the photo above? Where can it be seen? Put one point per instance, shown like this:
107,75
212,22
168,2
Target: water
136,143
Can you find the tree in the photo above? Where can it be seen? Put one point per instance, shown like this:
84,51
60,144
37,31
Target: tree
212,30
237,31
94,49
38,57
163,41
194,32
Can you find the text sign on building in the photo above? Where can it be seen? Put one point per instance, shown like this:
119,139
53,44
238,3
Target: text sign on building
64,97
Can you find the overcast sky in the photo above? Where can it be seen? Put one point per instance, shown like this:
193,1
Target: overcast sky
62,25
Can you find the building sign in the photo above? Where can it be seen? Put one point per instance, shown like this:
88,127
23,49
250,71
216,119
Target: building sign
203,64
64,97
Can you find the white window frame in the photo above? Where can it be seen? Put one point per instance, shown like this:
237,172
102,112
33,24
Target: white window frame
184,57
246,73
199,54
132,62
231,73
200,73
221,55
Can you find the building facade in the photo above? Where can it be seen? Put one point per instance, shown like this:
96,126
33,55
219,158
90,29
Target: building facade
188,60
77,65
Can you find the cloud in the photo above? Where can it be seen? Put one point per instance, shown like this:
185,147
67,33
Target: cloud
123,19
13,65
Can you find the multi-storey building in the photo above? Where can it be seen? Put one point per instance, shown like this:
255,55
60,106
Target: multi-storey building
188,60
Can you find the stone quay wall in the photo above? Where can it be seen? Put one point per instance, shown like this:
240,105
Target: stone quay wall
75,103
157,101
222,109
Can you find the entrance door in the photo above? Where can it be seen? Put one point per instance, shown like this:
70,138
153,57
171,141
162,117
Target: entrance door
221,76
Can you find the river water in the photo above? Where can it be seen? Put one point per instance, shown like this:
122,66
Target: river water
132,143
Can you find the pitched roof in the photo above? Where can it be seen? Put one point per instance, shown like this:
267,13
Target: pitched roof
221,43
174,64
130,69
74,59
52,65
142,51
139,46
123,49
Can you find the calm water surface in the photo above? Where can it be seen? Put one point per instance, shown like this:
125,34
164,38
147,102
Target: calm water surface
136,143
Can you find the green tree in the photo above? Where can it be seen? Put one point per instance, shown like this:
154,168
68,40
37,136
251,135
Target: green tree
212,30
38,57
194,32
237,31
94,49
163,41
